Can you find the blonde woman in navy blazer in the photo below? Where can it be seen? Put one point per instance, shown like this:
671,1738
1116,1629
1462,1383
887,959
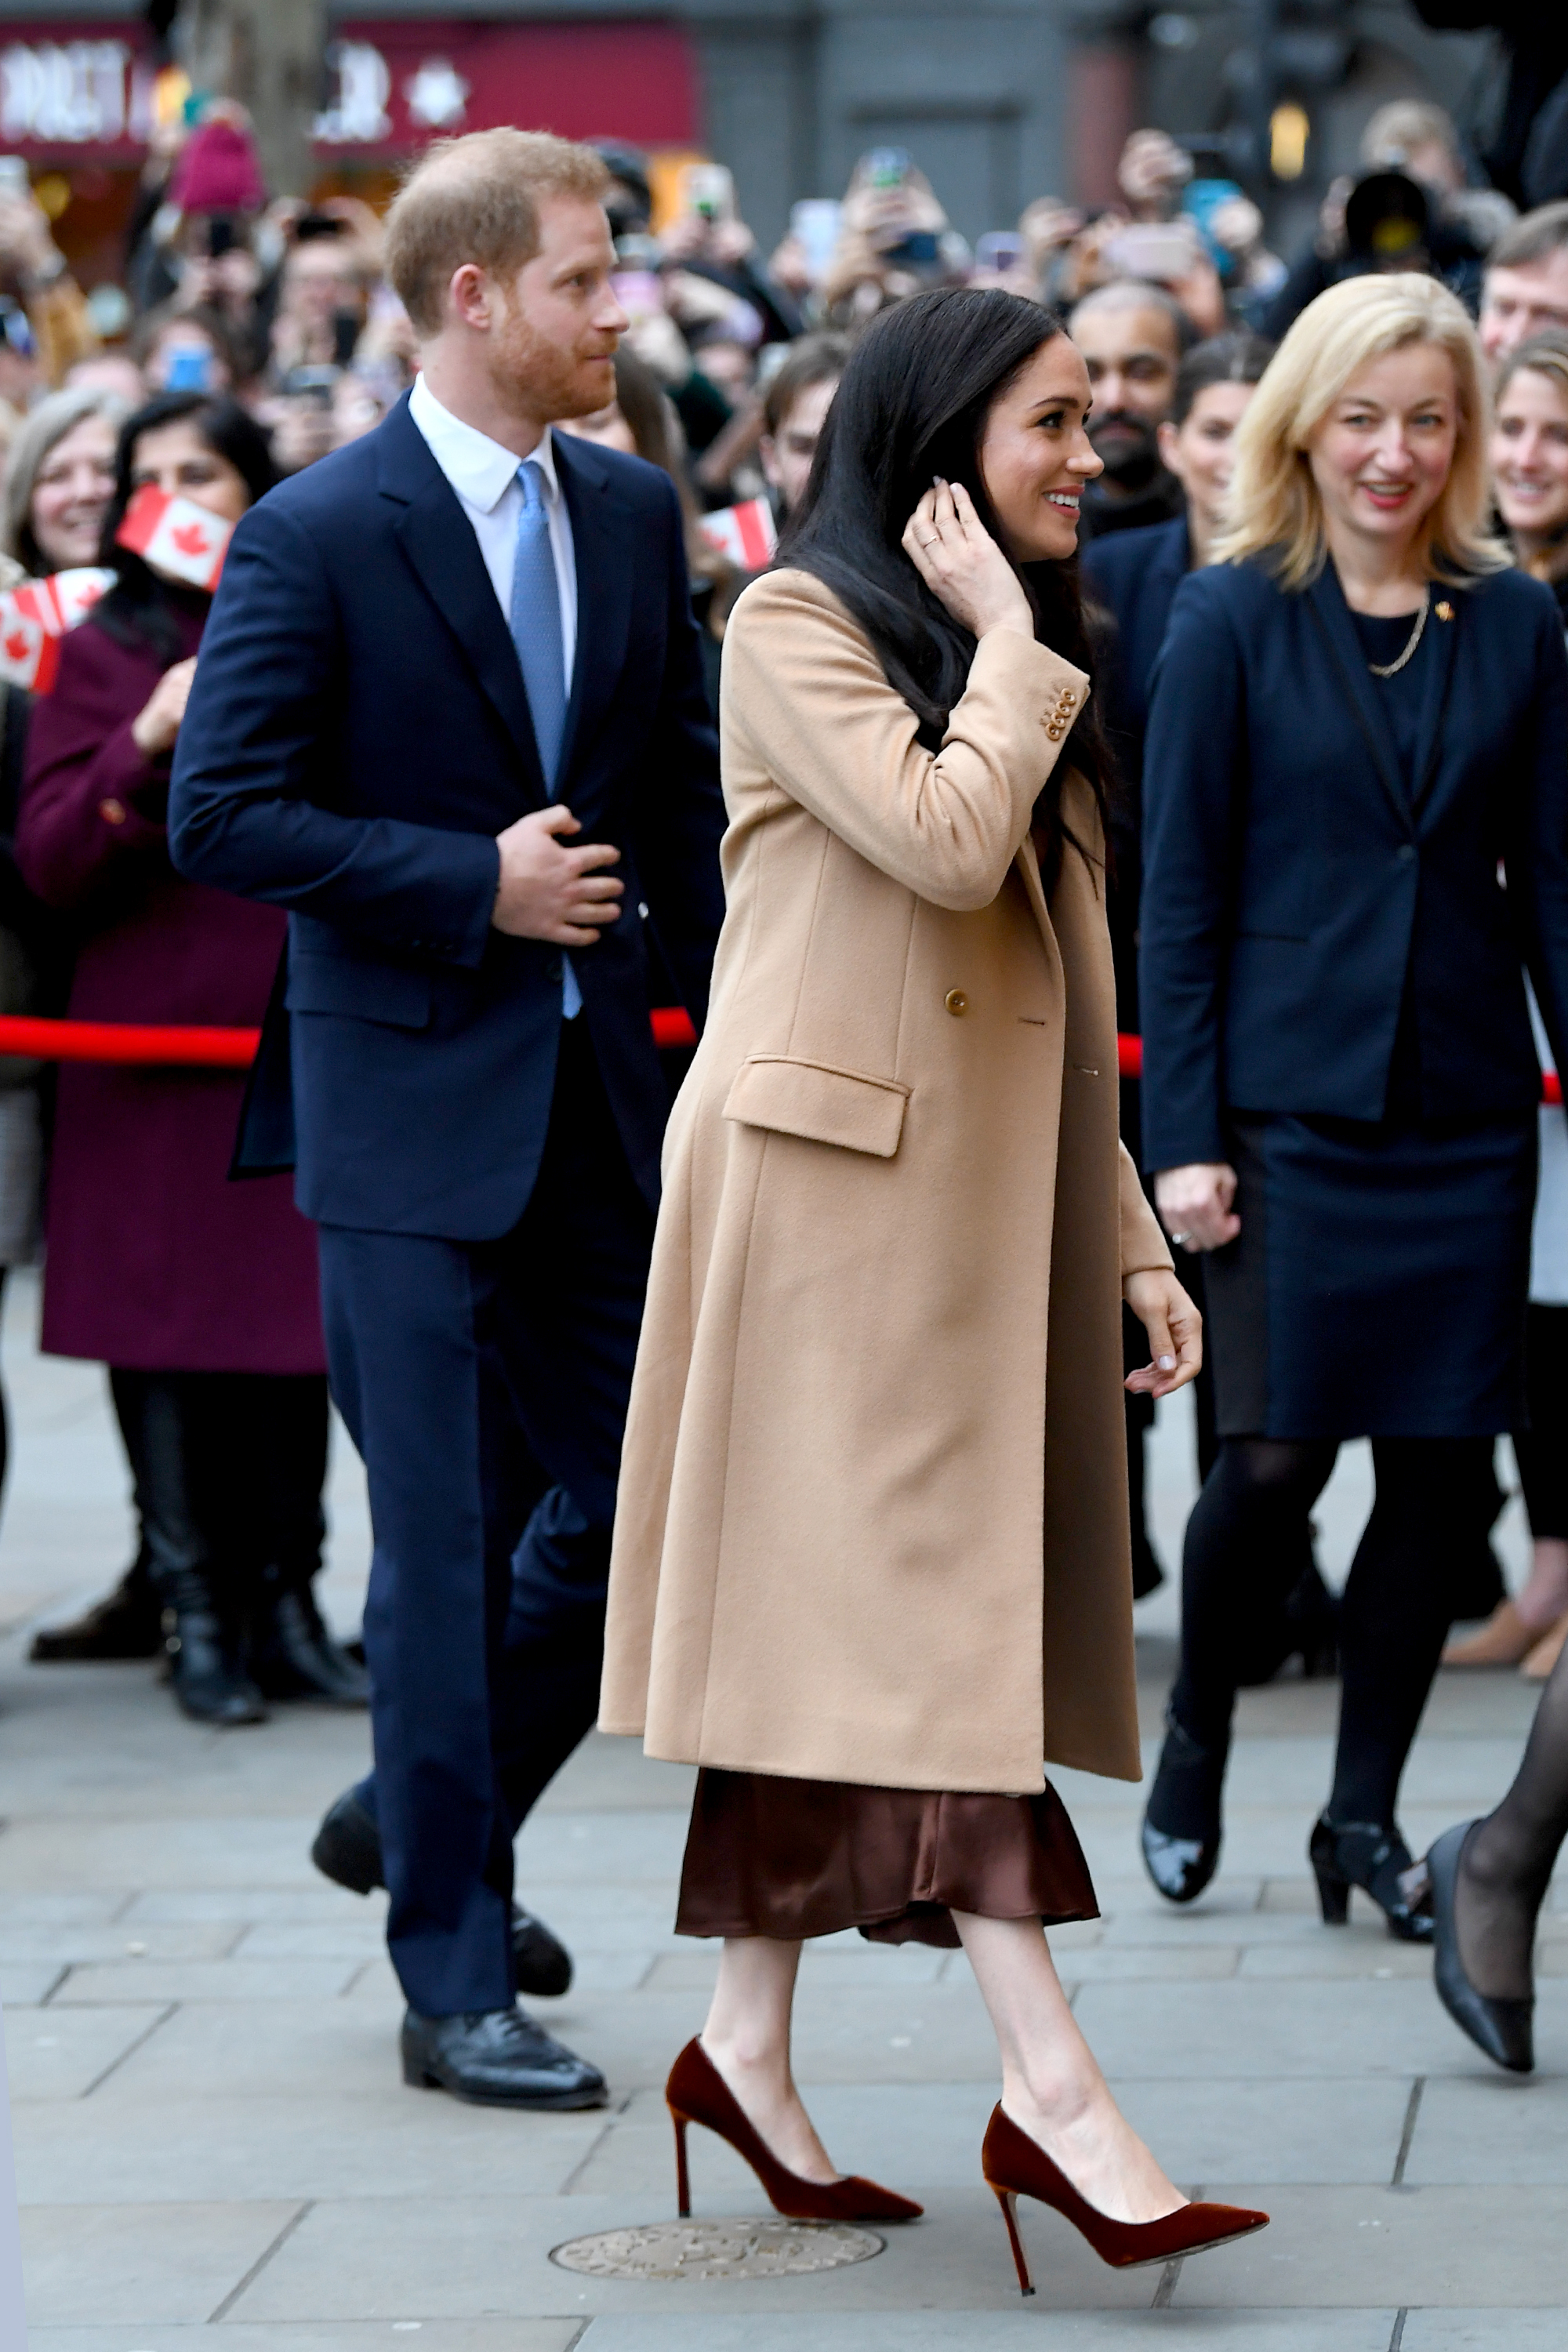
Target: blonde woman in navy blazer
1357,725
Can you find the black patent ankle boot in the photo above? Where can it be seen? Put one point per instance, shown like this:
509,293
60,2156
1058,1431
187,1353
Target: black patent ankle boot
1377,1859
205,1664
1181,1824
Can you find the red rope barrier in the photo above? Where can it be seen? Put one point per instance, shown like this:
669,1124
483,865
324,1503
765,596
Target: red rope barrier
162,1046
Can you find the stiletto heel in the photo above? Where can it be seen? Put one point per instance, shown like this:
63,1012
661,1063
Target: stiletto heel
1008,2201
1365,1854
697,2092
1016,2166
682,2177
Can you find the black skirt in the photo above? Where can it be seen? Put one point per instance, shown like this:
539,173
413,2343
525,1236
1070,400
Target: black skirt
1377,1287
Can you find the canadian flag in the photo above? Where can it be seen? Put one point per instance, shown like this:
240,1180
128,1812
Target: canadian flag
30,654
175,536
64,598
745,534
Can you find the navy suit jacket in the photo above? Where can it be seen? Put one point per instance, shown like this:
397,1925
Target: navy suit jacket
1292,883
357,735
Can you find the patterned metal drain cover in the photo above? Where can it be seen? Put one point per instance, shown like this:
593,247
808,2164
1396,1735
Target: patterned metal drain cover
719,2250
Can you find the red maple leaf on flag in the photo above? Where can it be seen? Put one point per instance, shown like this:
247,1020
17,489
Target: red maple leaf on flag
19,645
190,539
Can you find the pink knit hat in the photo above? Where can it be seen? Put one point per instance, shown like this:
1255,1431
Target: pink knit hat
218,171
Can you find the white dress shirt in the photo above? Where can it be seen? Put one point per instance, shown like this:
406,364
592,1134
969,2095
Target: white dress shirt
484,476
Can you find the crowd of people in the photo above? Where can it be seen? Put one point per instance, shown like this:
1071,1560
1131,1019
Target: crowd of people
1129,581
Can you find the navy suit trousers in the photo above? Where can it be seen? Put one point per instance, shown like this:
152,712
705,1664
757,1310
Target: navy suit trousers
485,1384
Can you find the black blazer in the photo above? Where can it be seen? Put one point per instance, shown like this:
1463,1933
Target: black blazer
1290,883
358,734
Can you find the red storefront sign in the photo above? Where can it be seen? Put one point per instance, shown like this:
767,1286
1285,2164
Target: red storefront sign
85,90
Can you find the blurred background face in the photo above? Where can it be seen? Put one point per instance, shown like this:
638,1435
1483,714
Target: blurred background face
179,462
319,280
71,494
185,358
1518,304
786,454
1530,455
607,427
1132,357
1380,456
1199,451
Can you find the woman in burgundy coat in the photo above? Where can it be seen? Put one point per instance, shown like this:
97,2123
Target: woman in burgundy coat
199,1294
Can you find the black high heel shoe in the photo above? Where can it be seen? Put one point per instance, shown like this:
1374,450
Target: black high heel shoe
1503,2030
1188,1781
1363,1853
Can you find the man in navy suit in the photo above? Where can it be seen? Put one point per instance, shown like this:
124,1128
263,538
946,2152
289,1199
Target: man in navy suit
451,714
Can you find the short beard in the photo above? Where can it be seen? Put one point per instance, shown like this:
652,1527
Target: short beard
1139,462
533,379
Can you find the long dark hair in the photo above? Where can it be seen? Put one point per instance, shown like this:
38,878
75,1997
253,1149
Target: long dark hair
141,609
912,403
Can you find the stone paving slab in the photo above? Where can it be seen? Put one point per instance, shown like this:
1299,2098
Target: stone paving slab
438,2257
1247,2027
1401,2246
67,2053
1010,2331
338,2336
1484,2331
166,2151
165,2262
1492,2128
224,1981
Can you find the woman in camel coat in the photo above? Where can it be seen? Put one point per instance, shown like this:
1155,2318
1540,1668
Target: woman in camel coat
872,1563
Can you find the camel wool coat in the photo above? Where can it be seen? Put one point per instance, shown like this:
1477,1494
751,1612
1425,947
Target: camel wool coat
873,1520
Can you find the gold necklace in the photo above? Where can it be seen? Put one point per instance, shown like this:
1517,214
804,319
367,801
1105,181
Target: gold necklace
1387,669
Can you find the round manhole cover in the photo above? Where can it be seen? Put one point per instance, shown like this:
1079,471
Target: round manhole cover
719,2250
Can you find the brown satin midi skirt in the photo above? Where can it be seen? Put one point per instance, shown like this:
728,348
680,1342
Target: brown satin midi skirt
767,1857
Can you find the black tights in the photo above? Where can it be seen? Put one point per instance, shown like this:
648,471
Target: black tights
1242,1554
1506,1862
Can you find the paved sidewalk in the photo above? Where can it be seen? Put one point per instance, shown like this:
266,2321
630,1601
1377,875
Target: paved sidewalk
214,2145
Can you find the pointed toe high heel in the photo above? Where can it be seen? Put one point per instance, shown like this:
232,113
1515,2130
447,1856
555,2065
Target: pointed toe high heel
1503,2030
697,2092
1016,2166
1363,1853
1187,1782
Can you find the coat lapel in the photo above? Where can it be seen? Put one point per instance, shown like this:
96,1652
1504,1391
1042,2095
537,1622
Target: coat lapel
436,537
603,552
1329,610
1435,695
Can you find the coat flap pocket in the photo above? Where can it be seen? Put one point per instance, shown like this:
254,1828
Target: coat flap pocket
820,1103
367,992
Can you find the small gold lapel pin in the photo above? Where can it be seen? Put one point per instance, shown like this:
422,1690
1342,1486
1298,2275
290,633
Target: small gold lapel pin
1444,611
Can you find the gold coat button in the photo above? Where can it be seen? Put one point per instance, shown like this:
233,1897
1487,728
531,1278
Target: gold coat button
112,812
956,1002
1056,731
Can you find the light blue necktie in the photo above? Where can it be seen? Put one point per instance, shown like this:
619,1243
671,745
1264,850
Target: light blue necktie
536,632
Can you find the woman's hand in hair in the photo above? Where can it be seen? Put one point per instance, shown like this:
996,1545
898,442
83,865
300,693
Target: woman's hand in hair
960,561
156,724
1176,1331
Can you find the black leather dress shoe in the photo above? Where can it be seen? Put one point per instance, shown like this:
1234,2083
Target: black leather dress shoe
126,1623
348,1851
497,2058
